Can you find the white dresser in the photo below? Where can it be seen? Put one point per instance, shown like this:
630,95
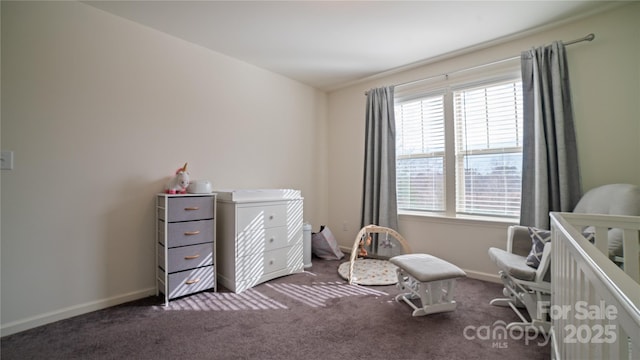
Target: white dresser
185,246
259,236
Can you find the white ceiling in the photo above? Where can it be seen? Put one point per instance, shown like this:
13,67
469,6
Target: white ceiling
327,44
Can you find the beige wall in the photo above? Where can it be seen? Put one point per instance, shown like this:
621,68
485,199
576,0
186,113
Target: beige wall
605,76
99,112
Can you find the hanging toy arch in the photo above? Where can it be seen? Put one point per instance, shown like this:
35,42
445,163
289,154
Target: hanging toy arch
358,254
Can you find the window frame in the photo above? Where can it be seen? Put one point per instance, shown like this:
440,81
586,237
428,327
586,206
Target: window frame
446,86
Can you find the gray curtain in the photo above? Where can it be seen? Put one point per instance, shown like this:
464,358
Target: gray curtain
379,205
550,172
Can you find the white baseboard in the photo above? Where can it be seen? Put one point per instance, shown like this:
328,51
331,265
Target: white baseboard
65,313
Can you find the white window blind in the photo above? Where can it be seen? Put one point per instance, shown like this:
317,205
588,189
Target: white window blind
420,151
489,149
459,151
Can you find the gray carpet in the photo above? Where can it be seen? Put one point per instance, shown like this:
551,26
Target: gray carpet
313,315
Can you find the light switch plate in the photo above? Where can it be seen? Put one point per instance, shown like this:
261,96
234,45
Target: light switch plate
6,160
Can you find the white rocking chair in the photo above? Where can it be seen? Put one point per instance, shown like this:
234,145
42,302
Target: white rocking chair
530,288
524,286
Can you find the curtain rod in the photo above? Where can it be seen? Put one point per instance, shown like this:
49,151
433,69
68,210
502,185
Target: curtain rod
588,37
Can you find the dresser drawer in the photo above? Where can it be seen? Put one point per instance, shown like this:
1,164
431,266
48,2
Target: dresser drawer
254,266
275,260
262,240
186,257
251,218
283,261
186,233
187,282
276,238
188,208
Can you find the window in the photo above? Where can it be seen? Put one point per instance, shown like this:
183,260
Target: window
459,150
420,151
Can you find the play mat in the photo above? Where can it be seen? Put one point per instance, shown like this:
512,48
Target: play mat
370,272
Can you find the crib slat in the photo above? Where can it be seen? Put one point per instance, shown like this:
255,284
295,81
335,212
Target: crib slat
631,248
602,239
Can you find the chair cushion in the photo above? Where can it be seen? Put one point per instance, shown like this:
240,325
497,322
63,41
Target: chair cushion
425,268
538,238
514,265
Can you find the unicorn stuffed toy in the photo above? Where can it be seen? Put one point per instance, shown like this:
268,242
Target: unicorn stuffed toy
179,183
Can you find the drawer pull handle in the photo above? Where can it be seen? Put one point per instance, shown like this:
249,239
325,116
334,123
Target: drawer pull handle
271,217
190,282
270,262
192,208
191,257
192,232
272,240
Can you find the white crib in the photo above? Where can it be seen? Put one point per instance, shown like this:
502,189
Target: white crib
595,305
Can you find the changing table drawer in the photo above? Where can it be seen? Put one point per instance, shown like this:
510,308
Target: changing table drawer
256,217
262,240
